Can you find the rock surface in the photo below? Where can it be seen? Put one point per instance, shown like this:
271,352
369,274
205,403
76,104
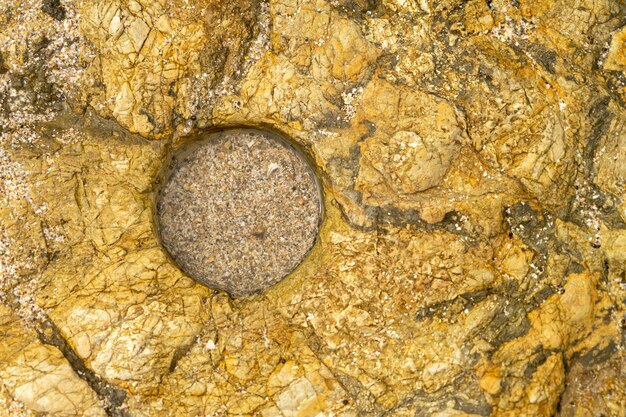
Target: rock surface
471,261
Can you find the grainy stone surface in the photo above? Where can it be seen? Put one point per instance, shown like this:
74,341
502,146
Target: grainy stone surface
472,157
595,387
239,210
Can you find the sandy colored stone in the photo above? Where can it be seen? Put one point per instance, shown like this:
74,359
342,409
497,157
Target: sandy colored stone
151,55
417,137
37,377
616,58
479,273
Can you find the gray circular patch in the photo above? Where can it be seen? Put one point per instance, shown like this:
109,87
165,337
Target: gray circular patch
238,210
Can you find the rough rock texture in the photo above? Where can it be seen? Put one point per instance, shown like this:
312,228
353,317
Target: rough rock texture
472,258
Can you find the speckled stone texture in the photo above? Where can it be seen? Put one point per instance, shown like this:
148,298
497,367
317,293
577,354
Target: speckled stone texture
240,209
472,257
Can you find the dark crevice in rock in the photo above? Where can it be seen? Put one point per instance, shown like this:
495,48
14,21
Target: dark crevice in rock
454,222
546,58
111,396
590,199
463,391
358,10
614,81
393,216
331,119
509,320
31,84
533,228
180,353
3,67
602,118
539,358
590,202
363,399
596,355
406,402
357,392
54,9
566,371
540,296
444,309
151,119
537,231
574,268
476,405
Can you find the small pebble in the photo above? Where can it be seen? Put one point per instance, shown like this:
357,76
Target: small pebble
239,210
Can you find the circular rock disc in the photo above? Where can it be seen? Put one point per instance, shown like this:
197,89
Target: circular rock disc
239,210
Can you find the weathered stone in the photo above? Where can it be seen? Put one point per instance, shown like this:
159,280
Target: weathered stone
471,257
616,58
